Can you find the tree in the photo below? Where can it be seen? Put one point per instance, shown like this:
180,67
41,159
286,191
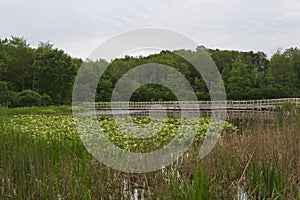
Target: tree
55,74
6,95
239,81
18,63
281,77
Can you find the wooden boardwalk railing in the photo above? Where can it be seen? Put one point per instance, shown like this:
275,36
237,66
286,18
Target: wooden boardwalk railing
267,106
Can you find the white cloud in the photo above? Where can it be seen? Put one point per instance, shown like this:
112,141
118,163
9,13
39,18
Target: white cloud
79,26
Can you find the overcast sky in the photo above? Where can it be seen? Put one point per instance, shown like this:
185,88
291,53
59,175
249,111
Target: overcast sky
78,26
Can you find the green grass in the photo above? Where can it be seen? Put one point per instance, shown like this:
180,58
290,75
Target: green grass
196,188
42,157
268,182
35,110
37,167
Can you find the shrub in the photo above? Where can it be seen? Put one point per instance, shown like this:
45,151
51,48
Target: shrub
46,100
28,98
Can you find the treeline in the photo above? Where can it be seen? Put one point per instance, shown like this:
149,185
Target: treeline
45,75
35,76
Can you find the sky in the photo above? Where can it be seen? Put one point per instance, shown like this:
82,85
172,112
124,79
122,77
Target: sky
78,26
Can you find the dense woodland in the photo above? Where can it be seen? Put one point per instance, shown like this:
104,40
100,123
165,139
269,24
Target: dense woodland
45,75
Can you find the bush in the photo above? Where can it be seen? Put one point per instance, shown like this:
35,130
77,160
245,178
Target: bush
28,98
46,100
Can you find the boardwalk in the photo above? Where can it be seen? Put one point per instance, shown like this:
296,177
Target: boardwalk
265,108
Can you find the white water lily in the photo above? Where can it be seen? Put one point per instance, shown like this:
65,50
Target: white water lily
145,135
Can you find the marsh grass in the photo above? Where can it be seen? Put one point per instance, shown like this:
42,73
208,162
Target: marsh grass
272,151
263,158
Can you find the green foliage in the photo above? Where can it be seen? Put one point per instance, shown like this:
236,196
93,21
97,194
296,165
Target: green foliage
6,95
153,92
52,161
268,182
287,113
119,133
17,63
45,70
28,98
44,126
55,74
282,77
46,100
198,188
42,157
35,110
239,81
48,70
50,167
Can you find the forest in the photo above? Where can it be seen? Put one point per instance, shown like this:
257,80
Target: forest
45,75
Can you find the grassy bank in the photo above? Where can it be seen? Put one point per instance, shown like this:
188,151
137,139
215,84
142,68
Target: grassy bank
35,110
